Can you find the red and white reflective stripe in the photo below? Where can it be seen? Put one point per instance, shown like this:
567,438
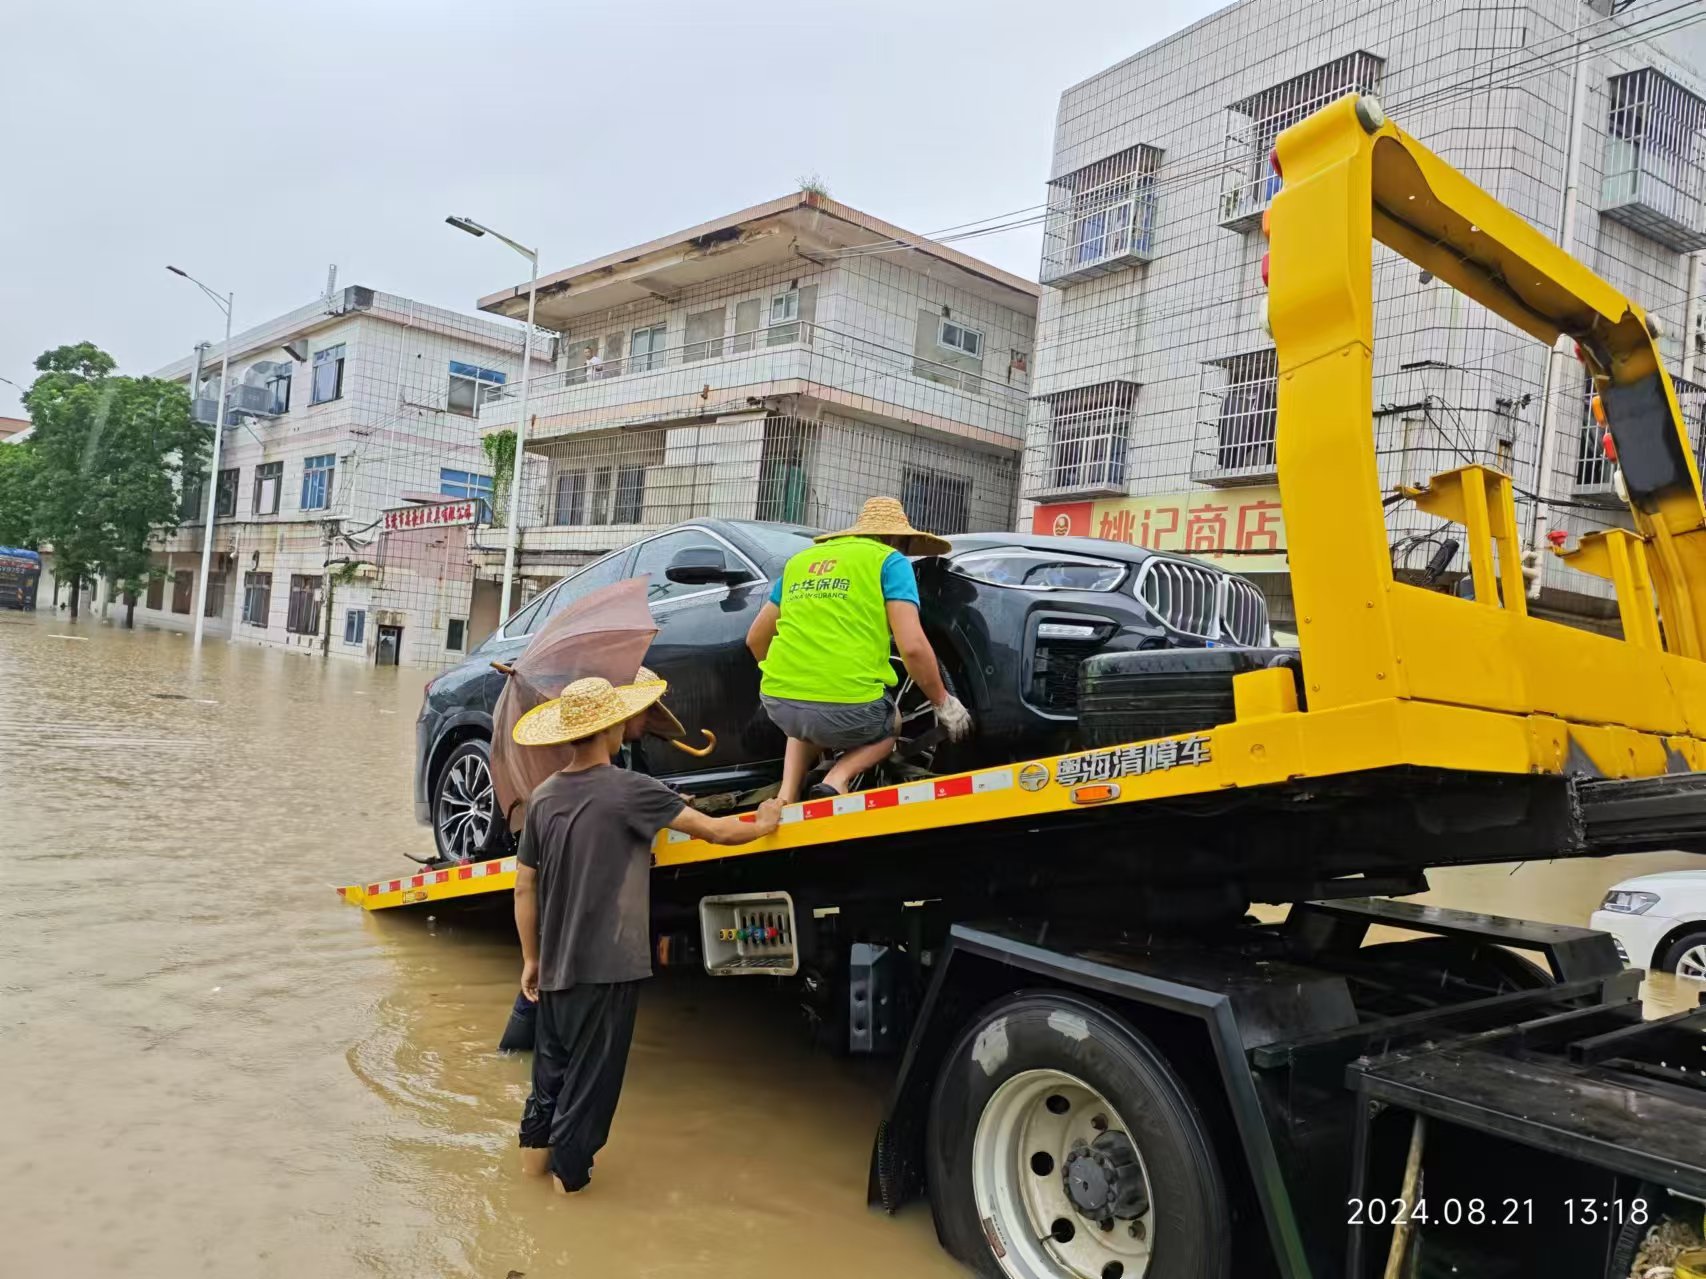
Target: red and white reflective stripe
497,866
888,797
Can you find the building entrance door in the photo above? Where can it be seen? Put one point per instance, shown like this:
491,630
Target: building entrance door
389,646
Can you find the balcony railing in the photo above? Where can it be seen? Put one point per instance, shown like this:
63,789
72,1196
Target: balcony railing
1101,217
1655,160
1084,450
1248,185
656,385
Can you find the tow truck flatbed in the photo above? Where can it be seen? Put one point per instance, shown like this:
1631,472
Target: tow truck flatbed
1110,1069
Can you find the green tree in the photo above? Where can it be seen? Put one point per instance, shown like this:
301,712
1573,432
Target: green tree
18,495
111,453
500,449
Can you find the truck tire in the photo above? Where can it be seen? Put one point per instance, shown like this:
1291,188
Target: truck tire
1060,1144
1141,694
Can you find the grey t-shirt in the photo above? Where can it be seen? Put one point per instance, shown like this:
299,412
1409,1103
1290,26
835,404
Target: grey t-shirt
589,835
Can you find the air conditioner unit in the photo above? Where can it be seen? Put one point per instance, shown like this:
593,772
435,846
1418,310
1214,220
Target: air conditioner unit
253,400
263,371
205,410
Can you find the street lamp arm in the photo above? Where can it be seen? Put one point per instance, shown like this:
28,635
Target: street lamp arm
219,300
480,228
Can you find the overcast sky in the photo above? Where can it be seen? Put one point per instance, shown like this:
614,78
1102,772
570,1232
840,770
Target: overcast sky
255,144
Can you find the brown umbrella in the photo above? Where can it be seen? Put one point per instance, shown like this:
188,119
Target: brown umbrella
604,633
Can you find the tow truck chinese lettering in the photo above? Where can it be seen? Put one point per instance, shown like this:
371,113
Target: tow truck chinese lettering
1132,761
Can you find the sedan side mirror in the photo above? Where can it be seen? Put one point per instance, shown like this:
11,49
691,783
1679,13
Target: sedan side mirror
702,566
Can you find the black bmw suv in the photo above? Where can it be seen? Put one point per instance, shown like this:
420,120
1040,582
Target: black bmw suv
1011,616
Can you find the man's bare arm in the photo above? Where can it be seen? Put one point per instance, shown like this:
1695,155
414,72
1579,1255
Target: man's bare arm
762,631
527,928
729,830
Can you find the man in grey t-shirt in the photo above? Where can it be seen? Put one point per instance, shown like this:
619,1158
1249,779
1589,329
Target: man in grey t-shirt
583,912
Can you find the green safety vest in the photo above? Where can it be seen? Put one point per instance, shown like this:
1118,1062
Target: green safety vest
832,639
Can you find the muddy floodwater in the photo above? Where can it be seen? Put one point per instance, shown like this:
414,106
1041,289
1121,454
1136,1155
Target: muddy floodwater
209,1065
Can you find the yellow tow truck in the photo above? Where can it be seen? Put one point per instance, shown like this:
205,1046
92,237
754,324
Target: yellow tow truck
1108,1068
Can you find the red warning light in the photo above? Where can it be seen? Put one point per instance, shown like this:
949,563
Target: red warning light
1274,163
1558,536
1264,270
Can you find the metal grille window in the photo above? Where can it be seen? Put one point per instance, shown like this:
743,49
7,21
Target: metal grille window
935,502
1655,159
257,598
1101,217
317,473
630,495
1254,123
1245,416
328,375
570,504
455,634
1089,432
225,500
471,386
355,625
302,615
269,478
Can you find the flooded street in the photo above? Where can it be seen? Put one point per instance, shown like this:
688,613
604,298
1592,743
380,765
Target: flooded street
211,1066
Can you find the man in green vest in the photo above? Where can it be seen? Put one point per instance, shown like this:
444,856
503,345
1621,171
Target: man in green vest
823,644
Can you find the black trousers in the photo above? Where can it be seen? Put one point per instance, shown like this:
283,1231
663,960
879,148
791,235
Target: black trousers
579,1054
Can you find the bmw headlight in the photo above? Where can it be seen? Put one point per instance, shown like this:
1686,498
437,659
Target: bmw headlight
1629,901
1029,570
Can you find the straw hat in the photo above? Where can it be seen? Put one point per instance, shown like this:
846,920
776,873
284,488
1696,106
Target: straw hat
885,517
586,706
660,720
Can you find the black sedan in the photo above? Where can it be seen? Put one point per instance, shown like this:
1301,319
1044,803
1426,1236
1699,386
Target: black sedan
1011,616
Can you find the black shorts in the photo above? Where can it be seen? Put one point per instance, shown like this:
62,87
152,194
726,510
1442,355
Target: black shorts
834,726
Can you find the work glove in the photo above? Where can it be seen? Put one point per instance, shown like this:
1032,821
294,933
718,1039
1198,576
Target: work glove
954,719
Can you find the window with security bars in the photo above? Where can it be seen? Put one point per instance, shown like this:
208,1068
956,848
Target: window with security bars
1655,159
1254,124
302,614
1245,416
1101,217
935,502
1089,433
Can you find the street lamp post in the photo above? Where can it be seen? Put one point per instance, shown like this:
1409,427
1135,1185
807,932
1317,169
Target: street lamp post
532,255
224,304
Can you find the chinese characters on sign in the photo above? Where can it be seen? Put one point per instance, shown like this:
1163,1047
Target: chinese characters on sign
429,516
1241,529
1131,761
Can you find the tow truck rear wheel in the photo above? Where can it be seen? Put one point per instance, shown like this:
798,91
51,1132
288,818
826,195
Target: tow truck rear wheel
1062,1145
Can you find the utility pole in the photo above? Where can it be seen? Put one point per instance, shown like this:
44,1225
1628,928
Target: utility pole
1558,360
226,304
532,255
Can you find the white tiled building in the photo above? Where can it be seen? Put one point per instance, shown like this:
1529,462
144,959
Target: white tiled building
1153,409
782,363
357,405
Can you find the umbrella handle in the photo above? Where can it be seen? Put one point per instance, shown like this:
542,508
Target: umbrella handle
503,668
698,752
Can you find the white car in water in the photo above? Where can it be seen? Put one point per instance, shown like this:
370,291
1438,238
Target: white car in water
1659,921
